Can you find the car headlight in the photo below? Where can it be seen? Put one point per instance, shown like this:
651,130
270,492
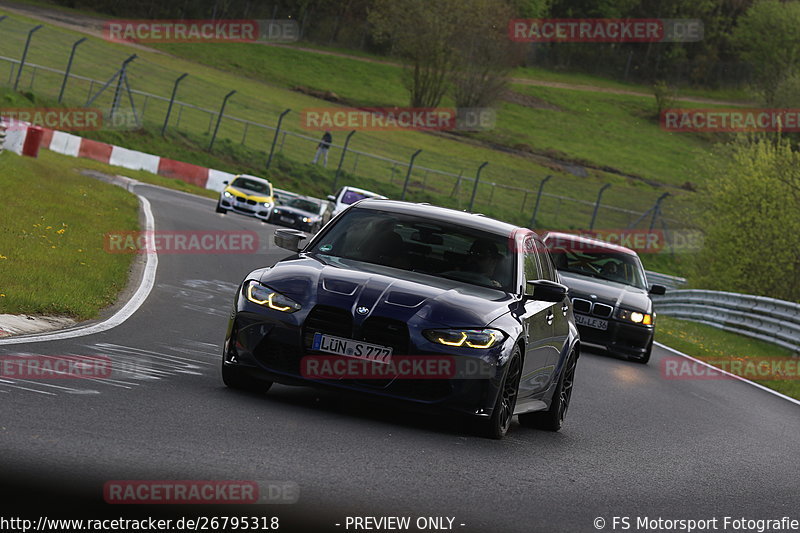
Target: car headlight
473,338
637,317
261,295
267,204
306,219
226,194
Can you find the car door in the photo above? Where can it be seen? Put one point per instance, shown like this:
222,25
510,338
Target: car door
560,310
537,321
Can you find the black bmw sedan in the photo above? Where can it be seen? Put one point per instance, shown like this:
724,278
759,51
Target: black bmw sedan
413,302
609,293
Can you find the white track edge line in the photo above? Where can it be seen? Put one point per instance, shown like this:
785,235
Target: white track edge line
717,369
142,292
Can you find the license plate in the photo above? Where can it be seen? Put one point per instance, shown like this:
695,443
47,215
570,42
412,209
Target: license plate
352,348
286,219
596,323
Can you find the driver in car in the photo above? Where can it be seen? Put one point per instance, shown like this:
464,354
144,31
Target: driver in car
483,259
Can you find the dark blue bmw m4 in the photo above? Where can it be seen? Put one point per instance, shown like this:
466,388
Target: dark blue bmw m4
413,302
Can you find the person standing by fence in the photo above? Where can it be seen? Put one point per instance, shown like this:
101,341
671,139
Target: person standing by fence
322,148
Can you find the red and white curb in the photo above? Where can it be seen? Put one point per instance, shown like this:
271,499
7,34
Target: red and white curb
75,146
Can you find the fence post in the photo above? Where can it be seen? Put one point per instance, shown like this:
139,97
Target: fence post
120,81
25,53
597,204
275,138
171,102
219,118
657,210
69,67
408,174
538,199
475,187
341,160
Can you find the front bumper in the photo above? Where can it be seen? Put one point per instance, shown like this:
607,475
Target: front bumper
293,222
251,210
270,345
630,340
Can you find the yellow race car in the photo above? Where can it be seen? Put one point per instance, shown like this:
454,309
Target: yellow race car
247,195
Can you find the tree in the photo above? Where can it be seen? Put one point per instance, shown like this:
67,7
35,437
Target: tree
768,40
748,215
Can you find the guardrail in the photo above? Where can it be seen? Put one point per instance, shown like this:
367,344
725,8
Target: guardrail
670,282
763,318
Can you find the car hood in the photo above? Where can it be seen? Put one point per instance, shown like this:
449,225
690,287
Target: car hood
248,195
386,292
610,292
297,212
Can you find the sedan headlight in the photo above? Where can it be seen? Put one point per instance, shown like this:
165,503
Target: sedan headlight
262,295
473,338
226,194
267,204
306,220
637,317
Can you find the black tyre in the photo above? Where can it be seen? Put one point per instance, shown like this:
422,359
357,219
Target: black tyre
646,357
235,378
503,413
220,209
553,418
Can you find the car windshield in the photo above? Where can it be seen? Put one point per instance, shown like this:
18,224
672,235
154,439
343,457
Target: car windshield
284,198
304,205
421,245
351,197
258,187
598,263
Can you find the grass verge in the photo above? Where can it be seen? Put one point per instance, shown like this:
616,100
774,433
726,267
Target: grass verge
709,343
52,260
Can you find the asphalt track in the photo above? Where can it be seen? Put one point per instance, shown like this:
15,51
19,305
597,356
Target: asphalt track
635,444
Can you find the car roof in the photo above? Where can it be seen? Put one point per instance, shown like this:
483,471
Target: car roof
444,214
364,191
595,243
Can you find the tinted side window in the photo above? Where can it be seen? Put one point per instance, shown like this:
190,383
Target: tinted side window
548,270
532,268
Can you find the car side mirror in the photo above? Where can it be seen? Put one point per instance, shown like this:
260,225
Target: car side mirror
225,183
547,291
332,198
658,289
289,239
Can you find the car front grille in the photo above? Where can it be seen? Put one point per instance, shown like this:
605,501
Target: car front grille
587,307
386,332
328,320
245,201
339,323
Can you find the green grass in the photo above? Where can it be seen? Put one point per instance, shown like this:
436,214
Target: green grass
709,344
52,260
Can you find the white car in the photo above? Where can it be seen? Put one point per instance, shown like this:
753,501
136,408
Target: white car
349,195
247,195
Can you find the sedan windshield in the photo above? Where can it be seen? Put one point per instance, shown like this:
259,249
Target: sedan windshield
304,205
606,265
258,187
351,197
421,245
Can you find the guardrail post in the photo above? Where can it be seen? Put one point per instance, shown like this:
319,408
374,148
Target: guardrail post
341,160
408,174
120,81
25,53
172,101
597,204
475,187
69,67
275,138
538,199
219,118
